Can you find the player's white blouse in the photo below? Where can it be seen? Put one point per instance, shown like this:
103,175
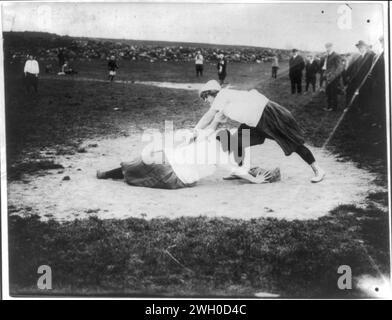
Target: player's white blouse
199,159
240,105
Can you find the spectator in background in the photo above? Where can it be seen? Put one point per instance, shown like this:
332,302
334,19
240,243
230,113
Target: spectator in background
322,74
296,66
31,71
112,66
275,67
68,69
311,70
49,68
199,60
333,69
61,58
377,79
345,70
221,66
356,80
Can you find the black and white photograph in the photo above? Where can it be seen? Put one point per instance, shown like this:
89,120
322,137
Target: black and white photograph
201,149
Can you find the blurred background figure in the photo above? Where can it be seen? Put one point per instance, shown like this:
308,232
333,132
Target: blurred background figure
61,58
199,61
222,66
296,66
322,68
332,70
49,68
112,66
31,71
275,67
68,69
345,69
358,71
311,70
377,79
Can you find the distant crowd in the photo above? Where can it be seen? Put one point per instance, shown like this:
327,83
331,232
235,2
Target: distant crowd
90,49
360,77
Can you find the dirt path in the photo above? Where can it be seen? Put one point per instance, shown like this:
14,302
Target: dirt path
168,85
292,198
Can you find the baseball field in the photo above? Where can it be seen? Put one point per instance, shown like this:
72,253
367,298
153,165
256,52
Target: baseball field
220,238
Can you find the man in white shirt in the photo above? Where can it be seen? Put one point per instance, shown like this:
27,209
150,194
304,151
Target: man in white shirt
199,60
261,116
31,71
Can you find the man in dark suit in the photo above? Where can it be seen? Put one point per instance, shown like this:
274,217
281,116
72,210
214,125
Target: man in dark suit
333,68
359,71
311,70
322,75
296,66
377,79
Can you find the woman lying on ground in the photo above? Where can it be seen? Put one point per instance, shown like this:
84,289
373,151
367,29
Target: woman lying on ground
186,164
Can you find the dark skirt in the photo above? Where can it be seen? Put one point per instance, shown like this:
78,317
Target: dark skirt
141,174
278,123
222,76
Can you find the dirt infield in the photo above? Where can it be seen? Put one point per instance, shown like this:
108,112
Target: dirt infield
292,198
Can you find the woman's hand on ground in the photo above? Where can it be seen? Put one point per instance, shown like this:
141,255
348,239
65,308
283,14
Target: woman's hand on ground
263,177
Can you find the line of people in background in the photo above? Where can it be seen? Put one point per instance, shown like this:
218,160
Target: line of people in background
361,78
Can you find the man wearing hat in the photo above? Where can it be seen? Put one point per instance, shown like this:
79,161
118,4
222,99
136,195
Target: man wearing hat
359,71
261,116
332,72
377,82
296,66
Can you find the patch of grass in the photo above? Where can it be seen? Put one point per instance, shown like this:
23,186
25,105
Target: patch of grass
379,197
16,171
365,144
214,256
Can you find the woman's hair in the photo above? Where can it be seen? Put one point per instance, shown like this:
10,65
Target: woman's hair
205,94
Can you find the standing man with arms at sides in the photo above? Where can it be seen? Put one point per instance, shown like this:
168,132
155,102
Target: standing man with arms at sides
377,79
112,66
221,66
31,71
199,60
333,70
322,69
61,58
261,116
311,70
296,66
359,71
275,67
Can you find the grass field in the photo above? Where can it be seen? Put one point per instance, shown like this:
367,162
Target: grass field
184,256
